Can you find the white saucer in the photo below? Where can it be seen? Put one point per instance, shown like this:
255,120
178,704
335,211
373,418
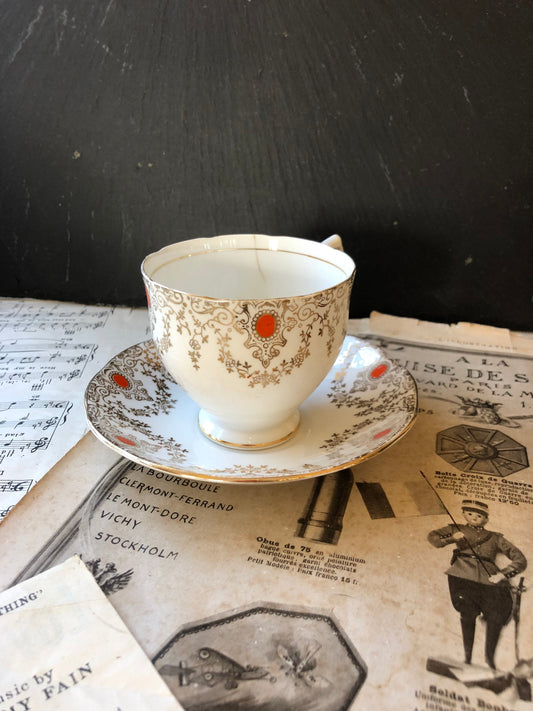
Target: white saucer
365,403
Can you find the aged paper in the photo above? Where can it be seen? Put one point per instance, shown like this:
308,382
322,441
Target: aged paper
330,593
65,647
48,353
472,335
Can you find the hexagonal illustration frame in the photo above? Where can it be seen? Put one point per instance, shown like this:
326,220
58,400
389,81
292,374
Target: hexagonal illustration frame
265,657
480,450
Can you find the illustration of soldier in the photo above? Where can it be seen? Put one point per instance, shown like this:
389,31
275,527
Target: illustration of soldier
477,586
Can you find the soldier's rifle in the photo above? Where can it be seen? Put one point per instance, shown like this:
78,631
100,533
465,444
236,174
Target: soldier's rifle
474,553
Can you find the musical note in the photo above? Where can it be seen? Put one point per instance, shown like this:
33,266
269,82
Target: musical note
11,485
39,444
42,423
48,352
32,404
25,433
4,512
40,366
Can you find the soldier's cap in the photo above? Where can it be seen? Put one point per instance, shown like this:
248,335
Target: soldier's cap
478,506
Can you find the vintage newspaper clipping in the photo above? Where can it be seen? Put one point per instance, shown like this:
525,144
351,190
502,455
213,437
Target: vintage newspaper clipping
401,583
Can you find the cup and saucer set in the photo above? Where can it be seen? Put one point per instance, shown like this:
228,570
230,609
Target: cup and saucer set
249,376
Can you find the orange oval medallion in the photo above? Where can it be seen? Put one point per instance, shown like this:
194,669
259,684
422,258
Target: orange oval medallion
265,325
121,381
382,434
125,440
378,371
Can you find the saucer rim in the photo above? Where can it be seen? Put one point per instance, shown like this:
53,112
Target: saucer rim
280,479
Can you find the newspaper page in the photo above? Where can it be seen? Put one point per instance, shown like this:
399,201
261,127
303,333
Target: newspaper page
65,647
48,352
401,583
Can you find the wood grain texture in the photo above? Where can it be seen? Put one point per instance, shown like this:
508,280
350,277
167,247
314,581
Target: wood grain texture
126,125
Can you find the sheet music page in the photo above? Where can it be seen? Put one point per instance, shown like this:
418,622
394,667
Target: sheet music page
48,353
401,583
65,647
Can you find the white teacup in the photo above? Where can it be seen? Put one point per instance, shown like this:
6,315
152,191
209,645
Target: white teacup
248,326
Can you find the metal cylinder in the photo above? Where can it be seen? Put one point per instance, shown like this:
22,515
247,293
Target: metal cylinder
324,512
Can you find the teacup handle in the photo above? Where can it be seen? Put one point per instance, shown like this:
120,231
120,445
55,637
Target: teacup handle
334,241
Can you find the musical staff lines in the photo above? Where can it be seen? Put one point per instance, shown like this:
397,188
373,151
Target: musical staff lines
38,362
9,486
49,350
69,319
11,491
29,425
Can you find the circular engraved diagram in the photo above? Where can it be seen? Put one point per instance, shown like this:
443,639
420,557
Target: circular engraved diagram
485,451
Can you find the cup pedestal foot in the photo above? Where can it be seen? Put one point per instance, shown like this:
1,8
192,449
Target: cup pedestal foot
262,437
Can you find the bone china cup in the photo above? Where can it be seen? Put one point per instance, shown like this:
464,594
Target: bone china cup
248,326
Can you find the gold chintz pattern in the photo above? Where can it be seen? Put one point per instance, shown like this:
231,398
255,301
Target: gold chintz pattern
242,324
265,348
351,417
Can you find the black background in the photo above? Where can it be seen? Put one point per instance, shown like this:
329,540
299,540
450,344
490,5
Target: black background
403,126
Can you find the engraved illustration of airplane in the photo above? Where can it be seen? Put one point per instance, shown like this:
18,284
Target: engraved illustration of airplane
210,668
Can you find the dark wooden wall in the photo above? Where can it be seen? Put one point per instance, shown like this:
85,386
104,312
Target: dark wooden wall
403,126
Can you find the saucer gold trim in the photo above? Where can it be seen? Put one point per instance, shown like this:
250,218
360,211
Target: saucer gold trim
358,411
280,479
